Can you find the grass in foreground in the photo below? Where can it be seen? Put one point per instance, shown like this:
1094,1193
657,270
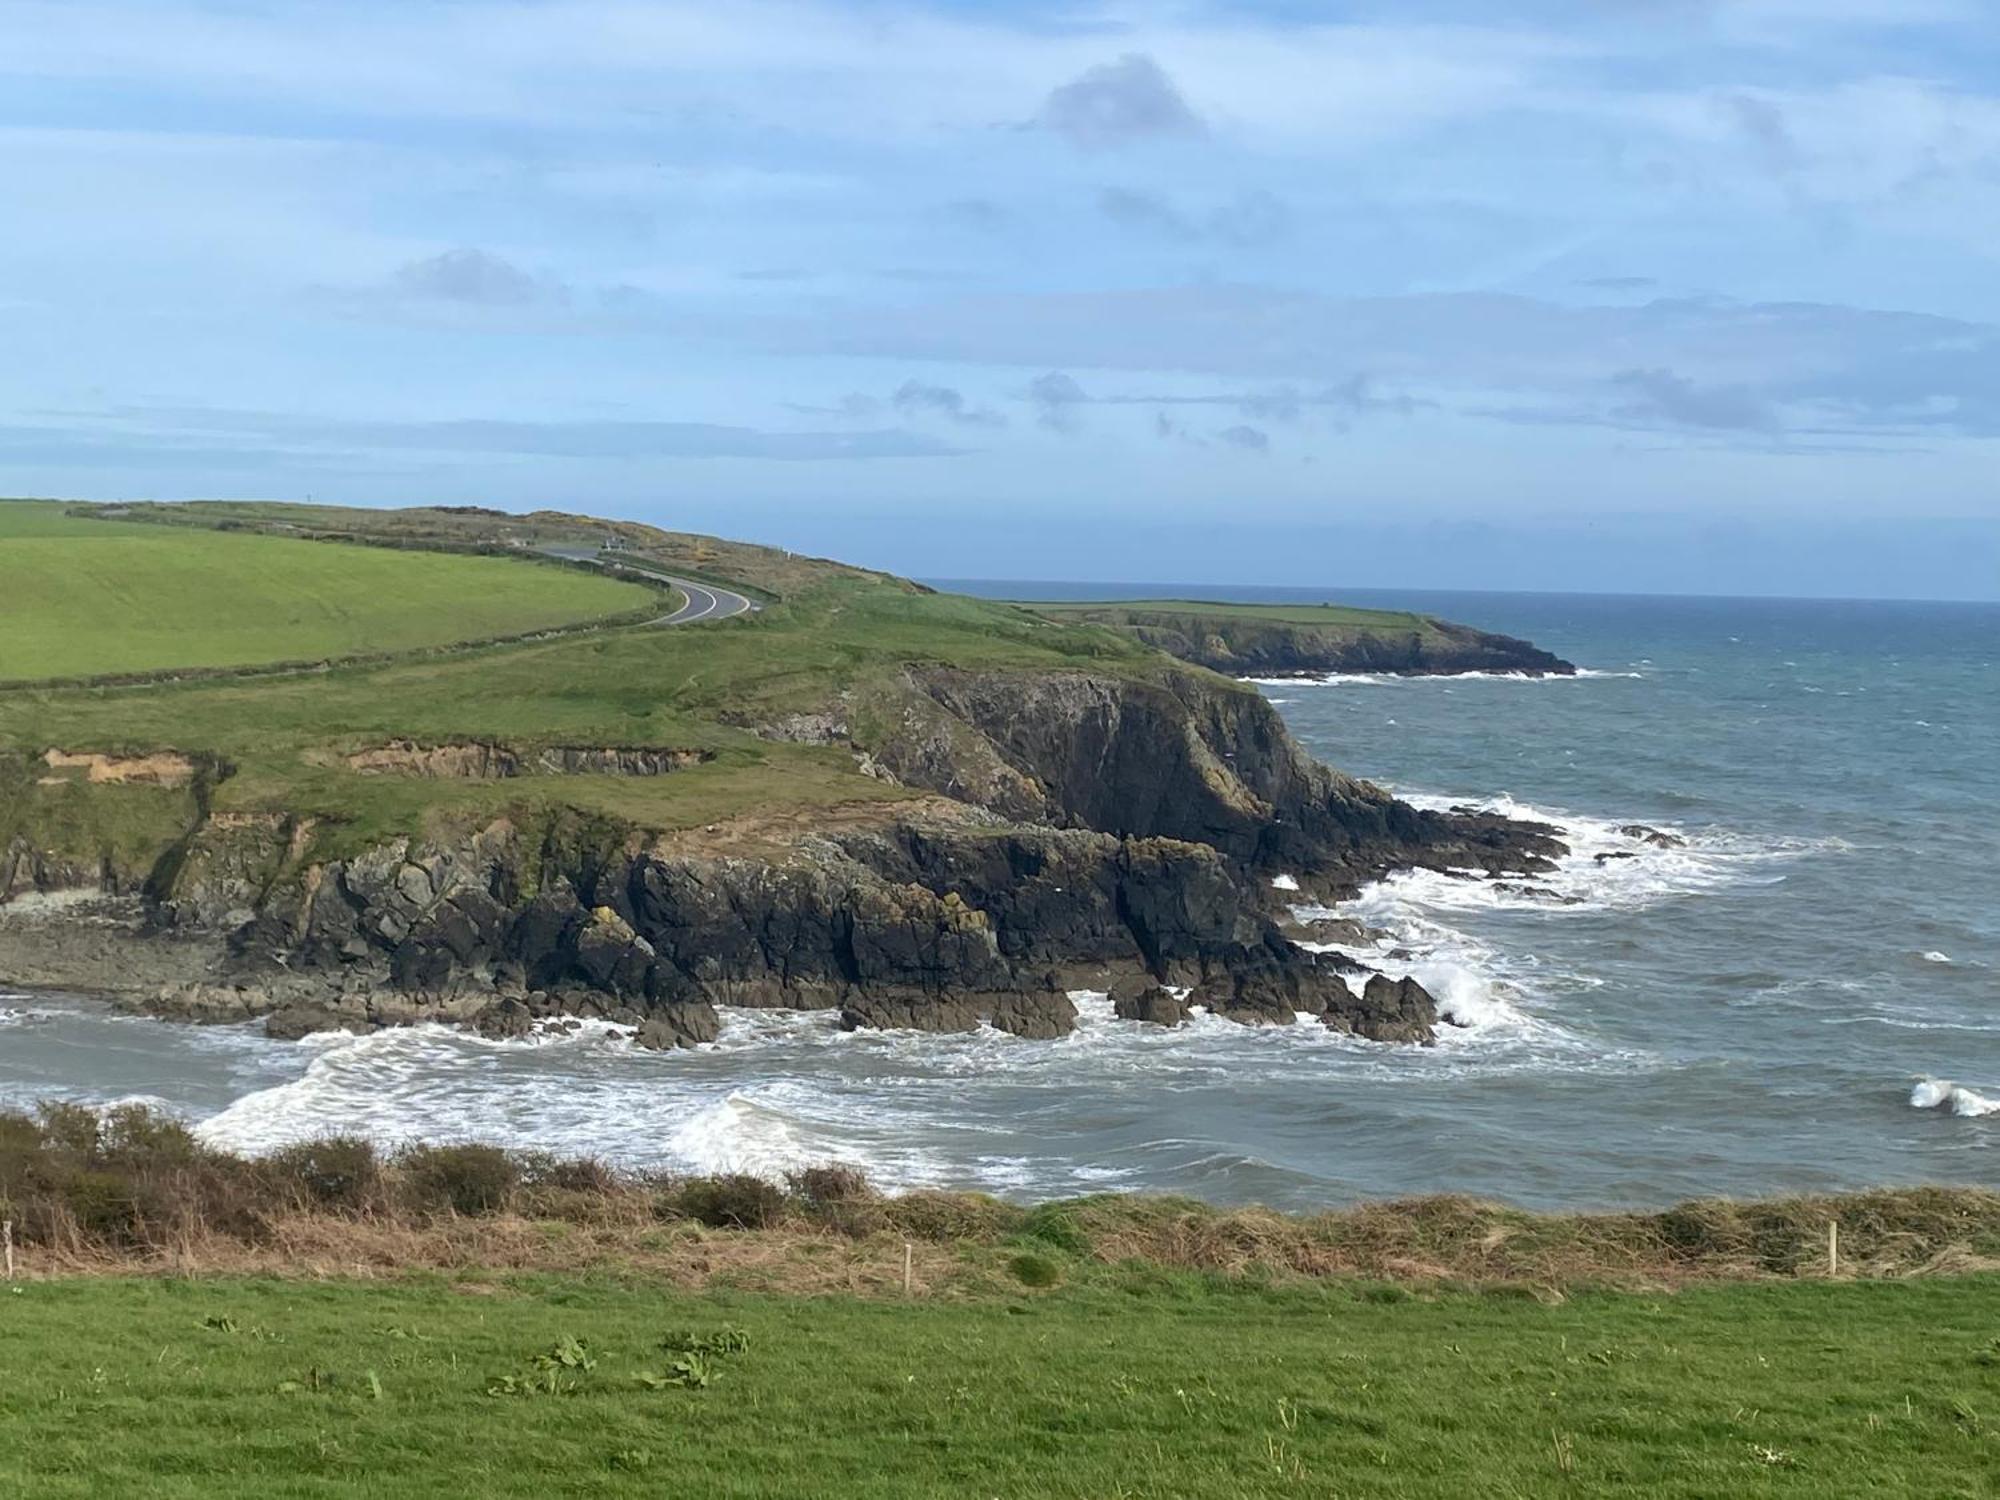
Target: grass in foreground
1162,1386
81,597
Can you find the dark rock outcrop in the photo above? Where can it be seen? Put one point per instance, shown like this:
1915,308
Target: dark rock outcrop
1388,1010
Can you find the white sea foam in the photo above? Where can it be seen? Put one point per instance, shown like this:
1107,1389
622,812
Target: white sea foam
1388,679
1936,1093
1497,998
1605,869
1284,882
1935,957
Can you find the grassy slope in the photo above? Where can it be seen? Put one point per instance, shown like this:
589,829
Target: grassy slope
1169,1386
85,597
682,688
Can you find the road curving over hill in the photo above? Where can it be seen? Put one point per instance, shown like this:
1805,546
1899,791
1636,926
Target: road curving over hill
702,601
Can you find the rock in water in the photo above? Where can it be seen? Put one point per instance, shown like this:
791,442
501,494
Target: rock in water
507,1020
680,1024
909,1013
1653,836
1041,1016
1155,1004
1388,1010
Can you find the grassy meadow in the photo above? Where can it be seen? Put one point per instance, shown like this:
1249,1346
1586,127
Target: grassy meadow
83,597
1157,1385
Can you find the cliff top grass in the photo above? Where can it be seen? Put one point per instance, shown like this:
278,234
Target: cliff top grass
830,635
82,597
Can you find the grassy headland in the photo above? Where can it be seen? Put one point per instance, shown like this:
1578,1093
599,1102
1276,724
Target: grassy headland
1307,639
172,590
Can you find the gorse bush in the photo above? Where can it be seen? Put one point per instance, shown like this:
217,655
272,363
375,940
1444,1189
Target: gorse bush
735,1201
471,1180
339,1172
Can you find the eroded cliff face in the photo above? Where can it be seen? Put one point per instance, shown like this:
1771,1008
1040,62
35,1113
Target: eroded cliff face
1088,831
1187,757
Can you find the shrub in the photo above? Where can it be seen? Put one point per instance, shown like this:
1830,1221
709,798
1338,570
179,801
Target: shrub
138,1136
339,1171
734,1201
840,1198
823,1186
1035,1270
69,1127
948,1217
471,1180
1055,1226
567,1174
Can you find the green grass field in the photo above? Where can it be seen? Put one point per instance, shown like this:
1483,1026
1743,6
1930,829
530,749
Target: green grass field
1166,1386
82,597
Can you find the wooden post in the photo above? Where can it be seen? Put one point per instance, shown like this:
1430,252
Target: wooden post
906,1268
7,1239
1833,1248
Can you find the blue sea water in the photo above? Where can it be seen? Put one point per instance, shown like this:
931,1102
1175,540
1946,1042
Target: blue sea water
1805,995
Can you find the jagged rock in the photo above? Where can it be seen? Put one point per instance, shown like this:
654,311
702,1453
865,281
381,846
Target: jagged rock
910,1013
1154,1004
1653,836
420,966
610,956
292,1022
1040,1016
1536,893
1611,854
1329,930
678,1025
1388,1010
505,1021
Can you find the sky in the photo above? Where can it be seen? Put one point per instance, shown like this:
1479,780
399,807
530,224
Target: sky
1691,296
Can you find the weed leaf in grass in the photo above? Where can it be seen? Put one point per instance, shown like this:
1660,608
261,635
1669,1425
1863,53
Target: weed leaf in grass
721,1343
555,1373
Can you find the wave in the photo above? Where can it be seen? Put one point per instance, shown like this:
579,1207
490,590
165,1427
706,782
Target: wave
1389,679
1495,999
1606,868
1938,1093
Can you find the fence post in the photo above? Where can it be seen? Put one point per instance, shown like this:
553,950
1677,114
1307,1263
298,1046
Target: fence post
7,1239
1833,1248
906,1268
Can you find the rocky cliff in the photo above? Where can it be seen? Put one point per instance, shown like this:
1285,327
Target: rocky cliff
1079,830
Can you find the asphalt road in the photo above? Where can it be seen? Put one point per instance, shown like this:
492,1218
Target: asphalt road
705,601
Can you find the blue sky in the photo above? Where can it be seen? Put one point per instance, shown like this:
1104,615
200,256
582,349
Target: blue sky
1676,295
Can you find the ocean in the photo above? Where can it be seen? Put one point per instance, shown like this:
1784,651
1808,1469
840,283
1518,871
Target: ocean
1805,995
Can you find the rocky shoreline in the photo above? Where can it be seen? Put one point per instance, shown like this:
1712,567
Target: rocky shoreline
1064,831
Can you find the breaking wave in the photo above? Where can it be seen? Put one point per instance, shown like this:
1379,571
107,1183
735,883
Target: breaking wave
1938,1093
1387,679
